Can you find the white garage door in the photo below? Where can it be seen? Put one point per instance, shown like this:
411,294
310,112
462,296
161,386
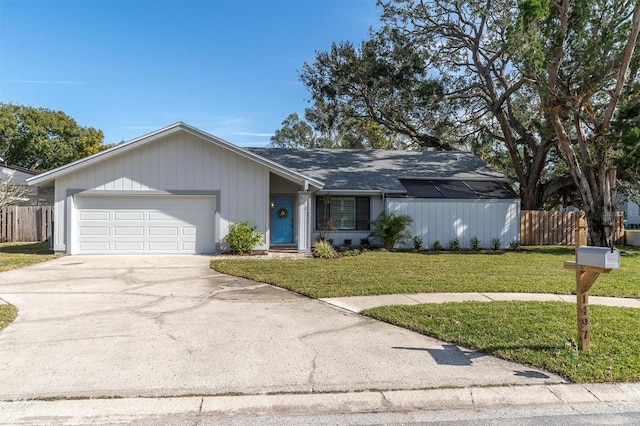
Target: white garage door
144,225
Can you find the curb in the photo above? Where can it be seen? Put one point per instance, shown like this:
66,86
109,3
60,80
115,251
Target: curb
82,411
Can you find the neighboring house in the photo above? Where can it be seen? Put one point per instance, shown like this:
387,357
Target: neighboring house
631,213
177,190
32,196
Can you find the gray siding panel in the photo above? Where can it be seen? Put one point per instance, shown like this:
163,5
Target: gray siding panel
177,162
462,219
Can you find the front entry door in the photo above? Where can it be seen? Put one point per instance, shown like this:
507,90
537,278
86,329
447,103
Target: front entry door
282,220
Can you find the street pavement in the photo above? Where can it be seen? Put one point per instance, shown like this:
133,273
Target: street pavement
102,339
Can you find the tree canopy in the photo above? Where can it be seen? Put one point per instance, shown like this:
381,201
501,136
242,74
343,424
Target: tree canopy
43,139
542,89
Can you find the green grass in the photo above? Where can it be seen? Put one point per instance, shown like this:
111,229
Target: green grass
532,333
7,314
17,255
532,270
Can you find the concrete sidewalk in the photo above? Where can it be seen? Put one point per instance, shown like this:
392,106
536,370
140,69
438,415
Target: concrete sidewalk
360,303
572,397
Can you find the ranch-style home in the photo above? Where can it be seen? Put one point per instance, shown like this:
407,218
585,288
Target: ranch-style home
176,190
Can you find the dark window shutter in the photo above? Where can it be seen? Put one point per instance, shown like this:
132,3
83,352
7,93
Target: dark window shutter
363,215
320,209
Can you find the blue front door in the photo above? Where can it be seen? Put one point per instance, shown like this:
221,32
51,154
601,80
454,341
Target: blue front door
282,220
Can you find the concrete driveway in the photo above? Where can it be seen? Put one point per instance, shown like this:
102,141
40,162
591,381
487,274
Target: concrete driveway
91,326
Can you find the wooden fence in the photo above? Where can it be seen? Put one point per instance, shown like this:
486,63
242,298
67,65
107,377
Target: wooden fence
557,228
26,224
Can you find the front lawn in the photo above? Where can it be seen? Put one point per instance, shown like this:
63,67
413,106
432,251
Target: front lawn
532,333
532,270
17,255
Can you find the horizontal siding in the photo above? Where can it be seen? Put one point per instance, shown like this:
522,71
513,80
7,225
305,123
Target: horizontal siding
178,162
462,219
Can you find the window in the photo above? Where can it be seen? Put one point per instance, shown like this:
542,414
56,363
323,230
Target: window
342,213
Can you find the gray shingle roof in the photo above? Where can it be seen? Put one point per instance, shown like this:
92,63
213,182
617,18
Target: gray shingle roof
344,169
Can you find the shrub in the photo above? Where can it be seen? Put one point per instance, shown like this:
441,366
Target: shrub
436,246
454,244
514,245
391,229
475,243
324,250
417,242
347,242
364,242
242,238
496,244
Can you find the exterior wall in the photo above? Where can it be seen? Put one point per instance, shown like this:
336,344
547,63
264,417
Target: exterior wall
632,238
462,219
338,237
631,213
177,164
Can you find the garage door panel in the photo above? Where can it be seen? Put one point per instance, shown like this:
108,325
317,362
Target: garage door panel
128,230
94,215
176,224
155,230
130,246
163,246
128,215
94,230
94,246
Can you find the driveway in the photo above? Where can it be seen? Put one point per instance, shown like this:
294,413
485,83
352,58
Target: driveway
91,326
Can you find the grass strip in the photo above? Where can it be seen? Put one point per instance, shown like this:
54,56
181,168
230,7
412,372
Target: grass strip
533,270
7,314
18,255
532,333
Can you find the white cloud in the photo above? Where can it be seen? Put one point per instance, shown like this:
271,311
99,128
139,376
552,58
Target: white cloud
259,135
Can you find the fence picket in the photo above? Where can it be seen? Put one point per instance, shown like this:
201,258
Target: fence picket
539,227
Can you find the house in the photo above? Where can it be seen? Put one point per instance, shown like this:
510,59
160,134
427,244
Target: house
631,213
32,196
176,190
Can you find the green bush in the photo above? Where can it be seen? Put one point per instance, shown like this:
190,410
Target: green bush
417,242
496,244
514,245
475,243
242,238
436,246
454,244
391,229
324,250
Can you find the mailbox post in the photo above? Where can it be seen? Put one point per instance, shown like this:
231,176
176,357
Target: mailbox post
590,263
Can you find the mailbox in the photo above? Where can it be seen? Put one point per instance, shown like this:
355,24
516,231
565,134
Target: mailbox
599,257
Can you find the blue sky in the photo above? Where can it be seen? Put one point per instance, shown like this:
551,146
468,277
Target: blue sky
128,67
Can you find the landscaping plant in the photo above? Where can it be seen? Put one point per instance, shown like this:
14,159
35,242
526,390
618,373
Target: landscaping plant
475,243
454,244
437,245
391,229
417,242
242,238
324,250
496,244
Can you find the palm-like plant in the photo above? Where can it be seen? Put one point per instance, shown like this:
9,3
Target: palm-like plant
391,229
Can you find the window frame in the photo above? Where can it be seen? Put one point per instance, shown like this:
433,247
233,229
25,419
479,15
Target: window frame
360,211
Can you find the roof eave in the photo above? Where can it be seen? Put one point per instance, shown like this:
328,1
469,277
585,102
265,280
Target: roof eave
51,175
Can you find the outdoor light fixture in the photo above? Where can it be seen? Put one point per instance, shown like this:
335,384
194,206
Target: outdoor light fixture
272,204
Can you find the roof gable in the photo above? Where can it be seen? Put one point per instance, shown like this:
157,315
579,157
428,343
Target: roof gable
154,136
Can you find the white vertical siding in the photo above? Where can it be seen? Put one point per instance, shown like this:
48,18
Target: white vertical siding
178,162
462,219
